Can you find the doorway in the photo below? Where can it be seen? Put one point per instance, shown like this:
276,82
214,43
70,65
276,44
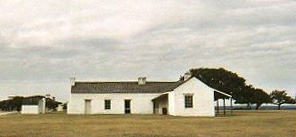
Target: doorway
87,106
127,106
164,111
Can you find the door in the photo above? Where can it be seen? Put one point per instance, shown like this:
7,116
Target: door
127,106
154,107
87,107
164,111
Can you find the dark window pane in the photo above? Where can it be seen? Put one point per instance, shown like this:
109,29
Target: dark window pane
107,104
188,101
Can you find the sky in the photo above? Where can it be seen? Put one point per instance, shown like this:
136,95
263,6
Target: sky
44,42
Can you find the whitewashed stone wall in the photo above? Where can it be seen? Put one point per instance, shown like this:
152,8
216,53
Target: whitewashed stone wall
34,109
140,103
203,99
30,109
42,106
171,103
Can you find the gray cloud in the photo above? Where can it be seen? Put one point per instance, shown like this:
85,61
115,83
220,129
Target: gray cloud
44,43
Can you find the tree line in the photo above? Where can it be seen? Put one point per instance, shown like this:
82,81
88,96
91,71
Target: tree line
235,85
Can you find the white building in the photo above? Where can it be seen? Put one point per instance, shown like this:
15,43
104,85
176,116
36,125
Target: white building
181,98
33,105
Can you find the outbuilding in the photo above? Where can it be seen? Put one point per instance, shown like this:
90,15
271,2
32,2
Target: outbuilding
33,105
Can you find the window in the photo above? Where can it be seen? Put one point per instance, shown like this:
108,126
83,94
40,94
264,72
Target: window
107,104
188,101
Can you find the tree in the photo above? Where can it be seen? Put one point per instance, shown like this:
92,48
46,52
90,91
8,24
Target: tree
12,104
52,104
280,97
231,83
220,79
245,97
260,97
17,103
251,95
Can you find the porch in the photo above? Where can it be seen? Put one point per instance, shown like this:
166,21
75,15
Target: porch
160,104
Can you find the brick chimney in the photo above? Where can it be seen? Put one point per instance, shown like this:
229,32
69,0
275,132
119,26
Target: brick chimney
142,80
47,96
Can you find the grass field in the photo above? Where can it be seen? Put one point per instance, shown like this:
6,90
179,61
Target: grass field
241,124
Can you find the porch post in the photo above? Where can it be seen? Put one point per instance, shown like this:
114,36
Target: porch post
231,105
168,102
224,107
218,106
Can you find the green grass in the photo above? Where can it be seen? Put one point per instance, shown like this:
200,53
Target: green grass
241,124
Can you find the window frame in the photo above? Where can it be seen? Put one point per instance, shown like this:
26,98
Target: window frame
107,104
188,101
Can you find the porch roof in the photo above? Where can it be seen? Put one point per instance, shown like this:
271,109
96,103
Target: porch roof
166,94
222,93
160,96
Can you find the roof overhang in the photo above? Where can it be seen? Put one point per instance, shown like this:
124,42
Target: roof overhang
222,93
163,95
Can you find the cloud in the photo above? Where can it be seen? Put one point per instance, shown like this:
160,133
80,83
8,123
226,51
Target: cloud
45,42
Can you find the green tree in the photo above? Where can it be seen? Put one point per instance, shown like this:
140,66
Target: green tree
280,97
231,83
17,103
51,104
221,79
245,97
259,97
251,95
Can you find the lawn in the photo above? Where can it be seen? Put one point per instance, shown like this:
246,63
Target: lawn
240,124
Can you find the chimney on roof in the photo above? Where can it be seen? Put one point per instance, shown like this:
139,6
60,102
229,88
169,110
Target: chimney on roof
47,96
142,80
72,81
187,75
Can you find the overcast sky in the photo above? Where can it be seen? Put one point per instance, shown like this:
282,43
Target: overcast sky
44,42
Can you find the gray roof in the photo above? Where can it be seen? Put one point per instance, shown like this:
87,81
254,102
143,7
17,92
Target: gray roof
124,87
